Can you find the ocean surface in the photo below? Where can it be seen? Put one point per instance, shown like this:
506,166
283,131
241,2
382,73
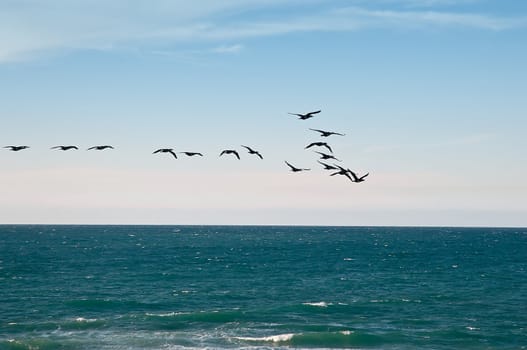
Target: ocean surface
262,287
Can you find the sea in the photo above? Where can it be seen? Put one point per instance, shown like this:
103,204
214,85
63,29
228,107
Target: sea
262,287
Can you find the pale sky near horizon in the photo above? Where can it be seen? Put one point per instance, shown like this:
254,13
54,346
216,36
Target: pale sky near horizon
431,94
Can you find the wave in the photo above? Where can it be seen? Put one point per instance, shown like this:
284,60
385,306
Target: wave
13,344
318,304
186,320
341,339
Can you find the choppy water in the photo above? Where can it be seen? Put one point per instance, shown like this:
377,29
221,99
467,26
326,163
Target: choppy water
184,287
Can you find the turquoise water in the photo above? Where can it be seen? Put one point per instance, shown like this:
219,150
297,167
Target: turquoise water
189,287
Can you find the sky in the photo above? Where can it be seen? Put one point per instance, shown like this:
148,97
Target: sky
431,95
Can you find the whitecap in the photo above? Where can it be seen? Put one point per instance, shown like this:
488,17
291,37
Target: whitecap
82,319
272,338
168,314
318,304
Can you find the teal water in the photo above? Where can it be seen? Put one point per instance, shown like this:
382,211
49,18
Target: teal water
190,287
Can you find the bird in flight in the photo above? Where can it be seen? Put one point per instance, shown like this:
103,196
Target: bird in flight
100,148
349,174
327,133
342,171
320,144
306,116
191,154
230,151
327,156
16,148
356,178
251,151
64,148
327,166
295,169
166,150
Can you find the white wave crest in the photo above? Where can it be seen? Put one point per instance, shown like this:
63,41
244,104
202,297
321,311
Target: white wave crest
82,319
272,338
168,314
318,304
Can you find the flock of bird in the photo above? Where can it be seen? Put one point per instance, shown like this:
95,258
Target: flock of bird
338,170
351,175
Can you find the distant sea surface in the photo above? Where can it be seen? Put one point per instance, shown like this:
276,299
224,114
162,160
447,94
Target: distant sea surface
262,287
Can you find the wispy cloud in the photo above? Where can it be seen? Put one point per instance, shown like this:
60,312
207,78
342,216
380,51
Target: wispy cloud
228,48
391,18
33,27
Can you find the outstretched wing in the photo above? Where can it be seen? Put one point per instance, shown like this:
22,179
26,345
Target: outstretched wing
172,153
363,176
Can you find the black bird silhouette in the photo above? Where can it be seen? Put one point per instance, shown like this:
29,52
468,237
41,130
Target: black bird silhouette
327,156
320,144
342,171
16,148
251,151
100,148
295,169
64,148
190,154
230,151
327,166
305,116
348,172
356,178
327,133
166,150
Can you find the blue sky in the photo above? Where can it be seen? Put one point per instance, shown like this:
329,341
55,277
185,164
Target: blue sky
431,95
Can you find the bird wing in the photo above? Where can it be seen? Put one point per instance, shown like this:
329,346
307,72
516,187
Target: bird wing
292,167
54,147
156,151
348,176
363,176
259,155
172,153
315,112
355,178
236,154
223,152
311,145
298,115
92,148
327,146
248,148
317,130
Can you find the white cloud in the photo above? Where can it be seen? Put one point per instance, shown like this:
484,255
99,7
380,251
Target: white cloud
228,48
34,27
